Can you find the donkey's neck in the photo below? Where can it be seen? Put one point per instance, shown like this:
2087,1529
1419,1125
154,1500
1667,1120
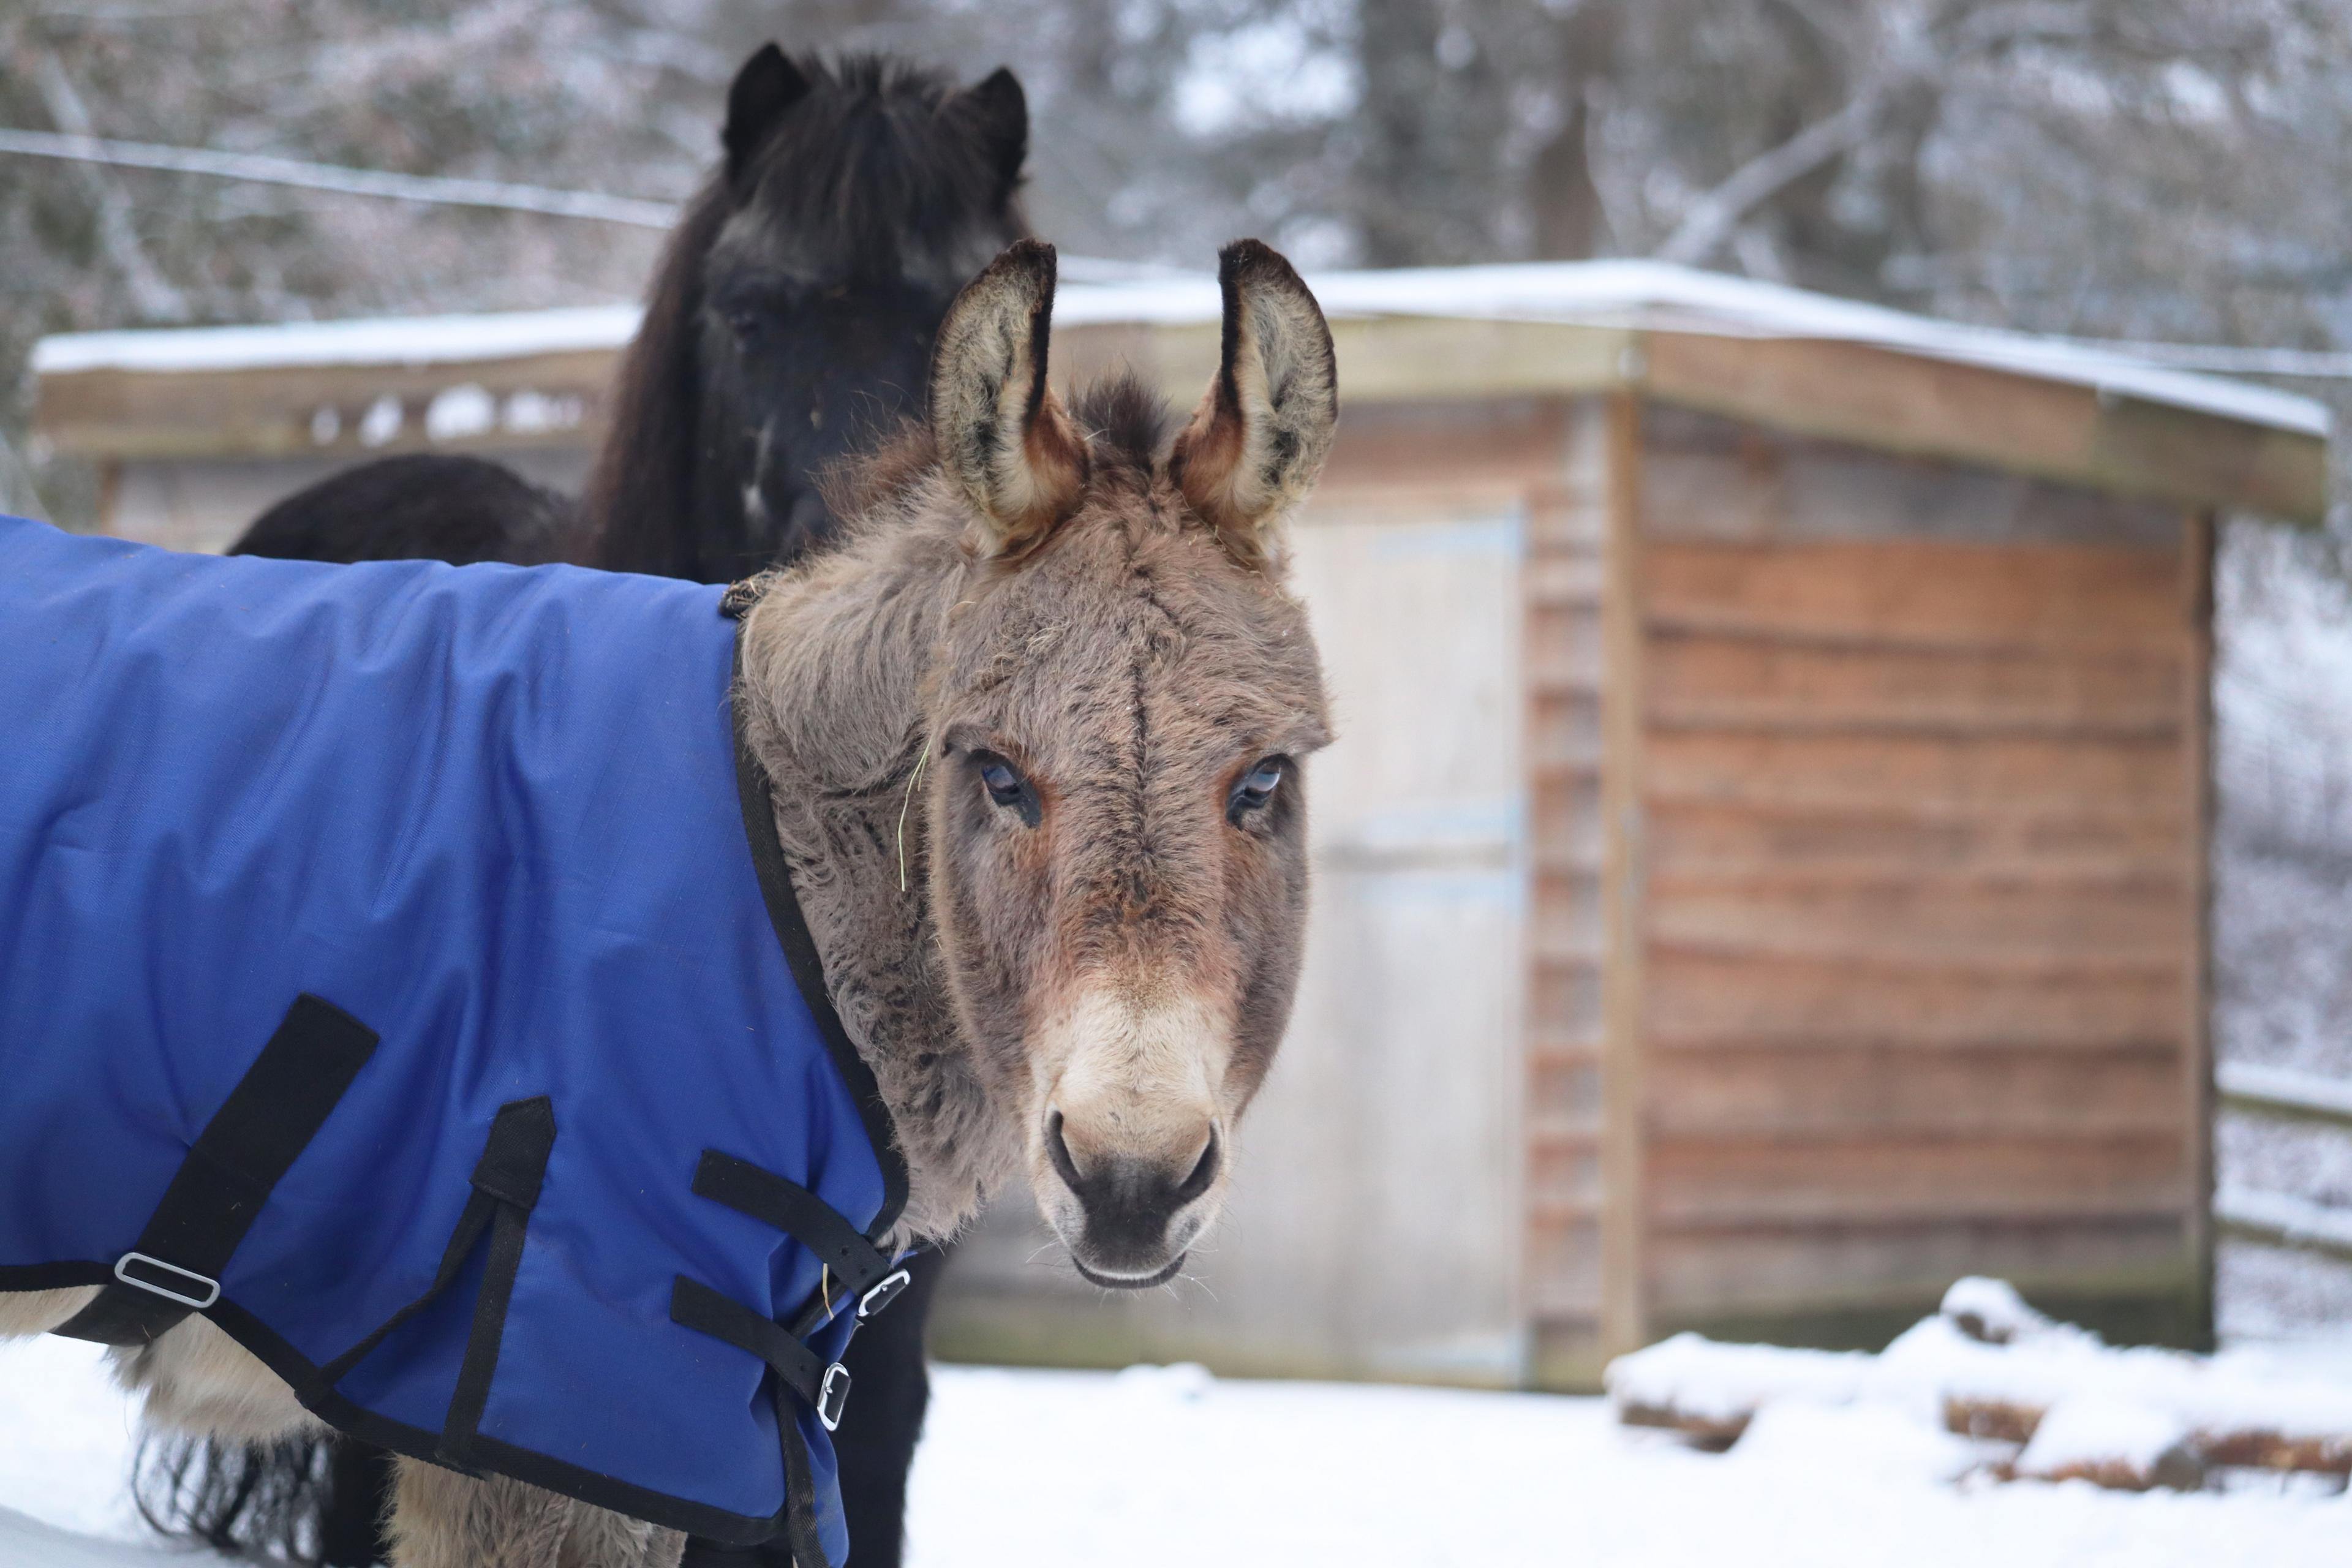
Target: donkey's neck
834,655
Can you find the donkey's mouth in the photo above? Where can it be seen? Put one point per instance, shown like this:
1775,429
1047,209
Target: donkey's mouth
1131,1281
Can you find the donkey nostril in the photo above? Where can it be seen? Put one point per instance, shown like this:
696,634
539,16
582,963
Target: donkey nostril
1059,1153
1204,1172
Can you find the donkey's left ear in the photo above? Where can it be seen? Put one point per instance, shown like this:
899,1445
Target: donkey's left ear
1258,439
1002,435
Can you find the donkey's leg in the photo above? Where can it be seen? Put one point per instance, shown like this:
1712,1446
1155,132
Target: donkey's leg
603,1539
443,1519
26,1312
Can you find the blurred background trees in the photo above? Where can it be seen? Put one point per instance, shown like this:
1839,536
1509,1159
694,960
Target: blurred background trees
2154,168
2145,168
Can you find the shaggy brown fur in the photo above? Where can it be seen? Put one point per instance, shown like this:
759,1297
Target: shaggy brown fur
1085,975
1136,945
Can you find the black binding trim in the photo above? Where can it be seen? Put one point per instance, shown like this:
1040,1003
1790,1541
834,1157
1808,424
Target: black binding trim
751,787
251,1141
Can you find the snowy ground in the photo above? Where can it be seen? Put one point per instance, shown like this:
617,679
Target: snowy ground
1166,1467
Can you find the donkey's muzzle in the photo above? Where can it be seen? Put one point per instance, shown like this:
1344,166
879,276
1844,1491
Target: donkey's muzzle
1136,1209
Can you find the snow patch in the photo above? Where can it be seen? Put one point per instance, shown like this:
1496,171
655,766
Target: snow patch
1878,1444
531,412
66,1435
1990,1309
1726,1384
2114,1441
381,421
1168,1467
456,413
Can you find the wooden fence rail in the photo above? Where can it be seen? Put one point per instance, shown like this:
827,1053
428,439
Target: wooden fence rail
2284,1092
2277,1218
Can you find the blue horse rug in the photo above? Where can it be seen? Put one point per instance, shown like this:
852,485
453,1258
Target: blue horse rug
398,966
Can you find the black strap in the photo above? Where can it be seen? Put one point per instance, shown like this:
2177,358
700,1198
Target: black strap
476,1219
694,1305
800,1214
506,1181
513,1166
263,1126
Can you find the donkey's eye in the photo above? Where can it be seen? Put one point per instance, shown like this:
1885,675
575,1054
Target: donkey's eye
1256,787
1006,788
1004,783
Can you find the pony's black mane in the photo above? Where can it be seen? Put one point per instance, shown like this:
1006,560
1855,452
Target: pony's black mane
880,167
860,170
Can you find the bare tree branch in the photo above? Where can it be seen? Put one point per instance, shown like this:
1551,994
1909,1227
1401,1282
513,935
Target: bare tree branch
1718,212
154,294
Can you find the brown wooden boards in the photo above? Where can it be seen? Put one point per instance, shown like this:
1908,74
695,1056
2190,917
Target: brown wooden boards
1922,918
2004,420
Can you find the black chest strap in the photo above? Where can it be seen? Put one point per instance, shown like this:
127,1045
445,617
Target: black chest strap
869,1278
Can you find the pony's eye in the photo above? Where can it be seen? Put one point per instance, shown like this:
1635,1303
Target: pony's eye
1256,787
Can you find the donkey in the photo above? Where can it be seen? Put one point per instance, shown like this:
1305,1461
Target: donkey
790,320
1032,741
789,325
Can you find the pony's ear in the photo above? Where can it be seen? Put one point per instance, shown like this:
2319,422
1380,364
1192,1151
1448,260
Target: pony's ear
1002,435
1000,110
1257,441
768,85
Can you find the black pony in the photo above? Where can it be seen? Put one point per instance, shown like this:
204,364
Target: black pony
790,321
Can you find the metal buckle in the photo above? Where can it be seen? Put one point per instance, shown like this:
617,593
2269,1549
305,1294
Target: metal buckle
832,1396
883,1293
212,1285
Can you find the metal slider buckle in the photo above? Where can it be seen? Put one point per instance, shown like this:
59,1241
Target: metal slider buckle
884,1292
212,1285
832,1396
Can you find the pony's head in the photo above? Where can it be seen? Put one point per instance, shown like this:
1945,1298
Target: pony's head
794,315
1118,717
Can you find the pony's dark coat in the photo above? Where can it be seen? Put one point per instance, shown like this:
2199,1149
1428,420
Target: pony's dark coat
419,506
791,319
789,325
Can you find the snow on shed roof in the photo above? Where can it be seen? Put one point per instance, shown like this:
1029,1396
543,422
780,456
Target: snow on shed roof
1632,294
381,340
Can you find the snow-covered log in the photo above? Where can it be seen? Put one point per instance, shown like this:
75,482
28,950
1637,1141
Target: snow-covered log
1989,1367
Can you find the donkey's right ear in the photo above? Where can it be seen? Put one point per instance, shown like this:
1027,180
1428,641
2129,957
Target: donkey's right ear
767,86
1002,435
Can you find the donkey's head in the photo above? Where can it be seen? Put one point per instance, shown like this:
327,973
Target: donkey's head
1119,717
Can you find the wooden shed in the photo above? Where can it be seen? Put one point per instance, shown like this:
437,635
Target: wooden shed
1763,875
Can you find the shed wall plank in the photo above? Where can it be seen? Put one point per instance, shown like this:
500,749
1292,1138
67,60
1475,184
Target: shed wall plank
1920,898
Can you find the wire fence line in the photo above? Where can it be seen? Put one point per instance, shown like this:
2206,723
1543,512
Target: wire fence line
440,190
